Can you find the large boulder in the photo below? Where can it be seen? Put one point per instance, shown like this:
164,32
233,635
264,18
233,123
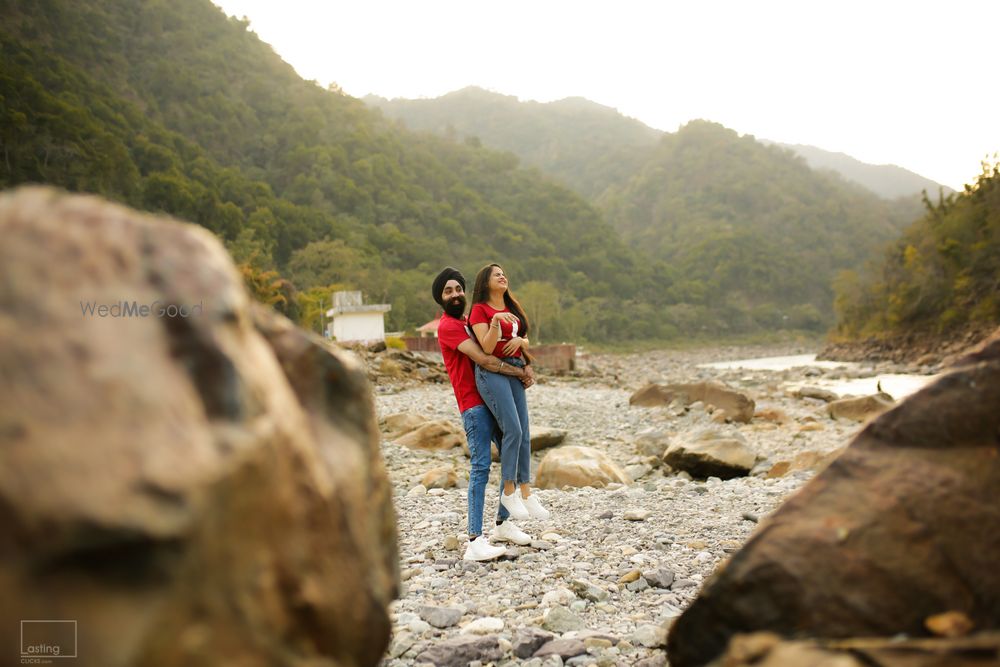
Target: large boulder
544,437
737,406
193,480
401,423
576,466
711,453
902,527
436,435
860,408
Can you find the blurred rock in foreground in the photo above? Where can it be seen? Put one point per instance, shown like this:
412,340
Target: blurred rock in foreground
904,526
194,483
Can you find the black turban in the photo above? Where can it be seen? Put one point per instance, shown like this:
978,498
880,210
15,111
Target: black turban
448,273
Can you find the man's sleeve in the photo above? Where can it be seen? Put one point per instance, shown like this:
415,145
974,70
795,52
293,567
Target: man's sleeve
451,336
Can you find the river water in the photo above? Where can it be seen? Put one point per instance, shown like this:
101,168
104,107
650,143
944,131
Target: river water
852,382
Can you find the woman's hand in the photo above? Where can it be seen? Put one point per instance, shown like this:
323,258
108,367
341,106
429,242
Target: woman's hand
513,345
503,317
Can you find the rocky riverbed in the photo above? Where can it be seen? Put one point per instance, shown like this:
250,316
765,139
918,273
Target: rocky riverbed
613,566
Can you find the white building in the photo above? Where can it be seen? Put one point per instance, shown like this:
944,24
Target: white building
352,322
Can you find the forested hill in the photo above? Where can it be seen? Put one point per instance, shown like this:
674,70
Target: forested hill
751,231
941,277
885,180
591,147
172,106
585,145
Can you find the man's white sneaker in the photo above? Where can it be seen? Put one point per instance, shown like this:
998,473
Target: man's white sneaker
509,532
481,549
535,508
514,505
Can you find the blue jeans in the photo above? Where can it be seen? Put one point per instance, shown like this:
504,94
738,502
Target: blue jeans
480,428
504,396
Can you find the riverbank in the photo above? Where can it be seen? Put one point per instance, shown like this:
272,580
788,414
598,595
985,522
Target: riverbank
580,578
915,350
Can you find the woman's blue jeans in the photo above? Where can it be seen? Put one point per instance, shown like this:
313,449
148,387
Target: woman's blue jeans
480,429
504,396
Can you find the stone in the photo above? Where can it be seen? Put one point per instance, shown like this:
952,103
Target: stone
483,626
652,442
889,534
949,624
560,620
199,484
441,617
661,577
629,577
639,584
559,595
738,406
861,408
564,648
544,437
418,626
441,477
576,466
656,660
396,425
818,393
436,435
460,650
711,453
775,415
589,590
528,640
637,514
638,470
650,636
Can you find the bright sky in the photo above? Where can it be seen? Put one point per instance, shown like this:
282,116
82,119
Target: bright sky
911,83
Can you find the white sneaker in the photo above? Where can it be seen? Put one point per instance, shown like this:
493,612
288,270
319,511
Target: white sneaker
481,549
514,505
509,532
534,507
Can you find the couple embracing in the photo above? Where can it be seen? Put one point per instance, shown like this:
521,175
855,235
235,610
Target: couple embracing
487,360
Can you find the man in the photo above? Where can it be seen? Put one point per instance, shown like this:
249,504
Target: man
459,350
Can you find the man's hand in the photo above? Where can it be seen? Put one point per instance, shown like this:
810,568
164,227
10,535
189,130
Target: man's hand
472,350
529,376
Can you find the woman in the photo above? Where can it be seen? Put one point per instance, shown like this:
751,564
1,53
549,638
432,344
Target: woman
501,327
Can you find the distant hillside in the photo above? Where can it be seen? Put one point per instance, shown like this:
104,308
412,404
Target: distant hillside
885,180
174,107
592,147
583,144
941,276
748,229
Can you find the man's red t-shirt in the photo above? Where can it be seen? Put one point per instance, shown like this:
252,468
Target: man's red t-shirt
482,313
451,333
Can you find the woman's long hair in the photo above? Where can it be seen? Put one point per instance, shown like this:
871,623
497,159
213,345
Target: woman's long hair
481,294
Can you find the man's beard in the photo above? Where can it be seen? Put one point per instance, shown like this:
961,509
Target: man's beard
455,307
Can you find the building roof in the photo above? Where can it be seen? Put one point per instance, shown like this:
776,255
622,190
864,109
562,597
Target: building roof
431,326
